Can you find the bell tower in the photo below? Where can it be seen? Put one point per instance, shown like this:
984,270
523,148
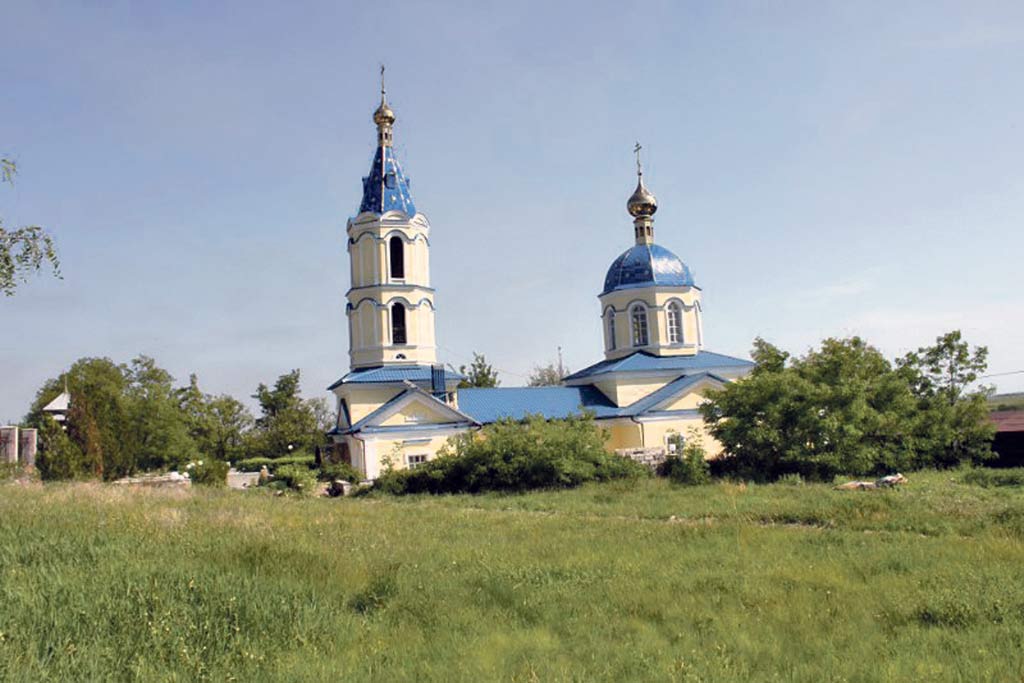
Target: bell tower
390,305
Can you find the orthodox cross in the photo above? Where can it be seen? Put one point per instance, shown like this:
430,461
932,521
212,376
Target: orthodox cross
636,150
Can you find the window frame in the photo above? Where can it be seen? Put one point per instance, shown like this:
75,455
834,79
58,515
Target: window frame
396,259
396,327
639,326
609,329
679,337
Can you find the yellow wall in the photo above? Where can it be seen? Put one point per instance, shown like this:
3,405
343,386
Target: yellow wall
690,401
377,453
622,433
655,432
364,400
415,413
626,393
369,321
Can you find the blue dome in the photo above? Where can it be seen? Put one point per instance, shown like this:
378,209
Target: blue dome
646,265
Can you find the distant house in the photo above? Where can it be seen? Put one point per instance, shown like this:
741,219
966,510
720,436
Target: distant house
1009,441
58,407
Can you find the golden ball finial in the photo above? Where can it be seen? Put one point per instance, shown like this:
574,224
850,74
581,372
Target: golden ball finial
383,115
641,202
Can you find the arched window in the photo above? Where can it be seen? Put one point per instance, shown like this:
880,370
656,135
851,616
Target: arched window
638,317
398,335
610,329
396,249
674,313
700,327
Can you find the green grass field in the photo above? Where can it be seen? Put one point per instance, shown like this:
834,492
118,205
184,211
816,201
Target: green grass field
623,581
1007,401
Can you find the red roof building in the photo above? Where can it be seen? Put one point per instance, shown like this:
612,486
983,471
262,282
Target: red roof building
1009,441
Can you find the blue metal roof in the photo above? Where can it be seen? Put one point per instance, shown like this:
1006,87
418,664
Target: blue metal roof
644,265
642,361
386,188
394,373
552,403
491,405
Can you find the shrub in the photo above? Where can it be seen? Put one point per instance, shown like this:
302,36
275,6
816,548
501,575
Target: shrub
516,456
339,470
990,478
690,467
208,472
256,464
294,477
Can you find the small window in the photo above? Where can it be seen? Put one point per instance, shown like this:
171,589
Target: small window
675,323
639,320
390,181
611,330
396,255
415,461
398,335
674,442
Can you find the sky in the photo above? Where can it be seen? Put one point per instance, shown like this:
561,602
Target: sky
824,168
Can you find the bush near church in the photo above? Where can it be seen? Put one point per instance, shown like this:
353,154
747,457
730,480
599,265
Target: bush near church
845,409
516,456
208,472
688,465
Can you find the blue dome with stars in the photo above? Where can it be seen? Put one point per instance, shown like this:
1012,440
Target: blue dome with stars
647,265
386,188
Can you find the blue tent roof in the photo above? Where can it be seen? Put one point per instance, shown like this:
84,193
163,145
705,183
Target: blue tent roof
490,405
394,373
386,188
645,265
643,361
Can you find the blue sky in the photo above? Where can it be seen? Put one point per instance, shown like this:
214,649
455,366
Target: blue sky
824,168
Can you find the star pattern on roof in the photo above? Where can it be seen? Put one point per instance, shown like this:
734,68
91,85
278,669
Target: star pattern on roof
387,187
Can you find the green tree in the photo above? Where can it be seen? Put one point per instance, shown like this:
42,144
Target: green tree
25,250
94,421
58,457
158,429
217,424
546,376
839,409
287,424
954,418
479,374
768,357
124,418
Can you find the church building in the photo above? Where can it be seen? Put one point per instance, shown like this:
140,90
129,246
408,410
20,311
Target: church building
397,406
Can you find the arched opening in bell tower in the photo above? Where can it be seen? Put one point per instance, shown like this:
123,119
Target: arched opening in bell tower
398,330
396,255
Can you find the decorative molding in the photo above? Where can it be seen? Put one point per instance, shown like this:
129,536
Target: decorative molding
387,304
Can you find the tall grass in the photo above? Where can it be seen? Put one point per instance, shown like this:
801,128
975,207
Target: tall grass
618,581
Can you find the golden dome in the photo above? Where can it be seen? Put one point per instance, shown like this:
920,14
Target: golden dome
641,202
383,114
